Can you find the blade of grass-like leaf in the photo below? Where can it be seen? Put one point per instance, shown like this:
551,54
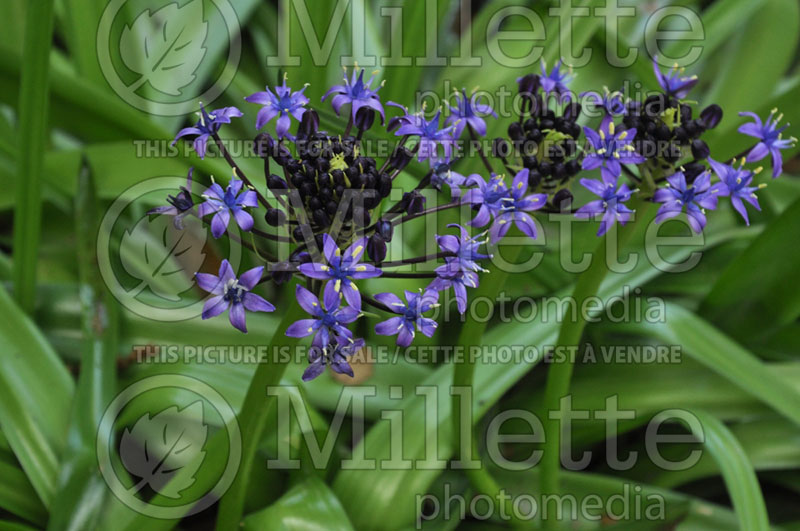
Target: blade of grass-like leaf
308,505
721,354
559,374
81,489
33,139
6,525
252,419
368,494
18,497
35,393
750,300
740,478
81,24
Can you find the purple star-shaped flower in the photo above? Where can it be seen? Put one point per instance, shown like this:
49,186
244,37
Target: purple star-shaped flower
442,174
611,147
465,250
227,202
771,139
334,355
469,111
488,196
231,292
555,81
327,323
674,82
180,205
410,315
357,93
207,125
735,183
612,103
515,208
429,134
341,270
459,280
286,103
610,204
695,198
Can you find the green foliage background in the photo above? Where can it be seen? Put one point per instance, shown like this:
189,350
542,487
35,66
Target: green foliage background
64,340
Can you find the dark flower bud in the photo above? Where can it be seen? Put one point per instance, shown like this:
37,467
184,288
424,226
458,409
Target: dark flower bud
545,168
282,272
711,116
700,149
400,158
394,123
573,167
562,200
376,248
275,217
385,229
263,145
275,182
309,124
297,234
501,147
515,131
320,217
414,202
385,185
692,170
283,155
534,179
572,111
528,85
365,117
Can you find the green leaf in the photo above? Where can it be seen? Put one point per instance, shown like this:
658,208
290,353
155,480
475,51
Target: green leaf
750,299
18,497
35,393
33,139
309,505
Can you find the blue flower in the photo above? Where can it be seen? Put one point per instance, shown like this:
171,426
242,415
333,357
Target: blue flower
410,315
335,355
695,198
459,280
465,250
771,139
357,93
673,82
231,292
180,205
735,183
468,111
515,208
206,126
611,148
612,103
285,104
442,174
327,322
489,197
556,81
429,134
341,270
610,205
227,202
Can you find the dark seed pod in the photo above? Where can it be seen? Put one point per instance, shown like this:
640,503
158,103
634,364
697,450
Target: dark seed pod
321,217
501,147
515,132
376,248
534,179
573,167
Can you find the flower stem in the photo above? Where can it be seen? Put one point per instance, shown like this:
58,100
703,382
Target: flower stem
477,143
238,170
559,374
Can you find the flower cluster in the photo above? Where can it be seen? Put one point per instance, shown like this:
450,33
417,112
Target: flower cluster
332,205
